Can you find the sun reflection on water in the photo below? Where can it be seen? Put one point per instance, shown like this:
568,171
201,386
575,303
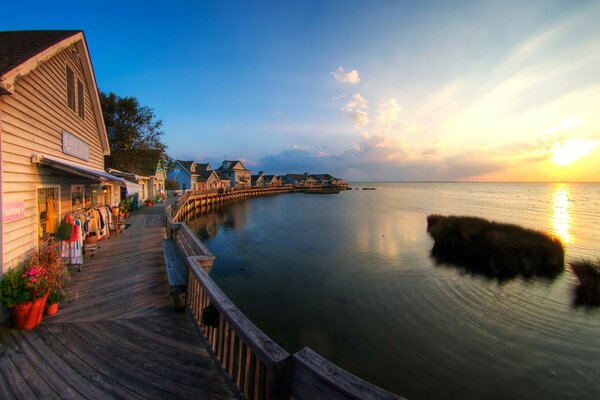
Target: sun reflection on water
560,217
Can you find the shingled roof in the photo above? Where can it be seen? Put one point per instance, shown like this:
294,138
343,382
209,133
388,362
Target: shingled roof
16,47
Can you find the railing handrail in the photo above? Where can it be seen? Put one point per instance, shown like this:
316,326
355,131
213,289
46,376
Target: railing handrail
262,345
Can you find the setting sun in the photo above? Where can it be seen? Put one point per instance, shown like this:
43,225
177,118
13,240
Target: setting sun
568,152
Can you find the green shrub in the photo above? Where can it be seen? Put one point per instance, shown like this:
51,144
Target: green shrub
495,249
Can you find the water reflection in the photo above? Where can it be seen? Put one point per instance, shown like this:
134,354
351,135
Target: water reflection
560,219
207,220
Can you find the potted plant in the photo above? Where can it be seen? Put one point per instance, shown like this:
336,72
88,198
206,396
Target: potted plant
24,291
58,277
54,298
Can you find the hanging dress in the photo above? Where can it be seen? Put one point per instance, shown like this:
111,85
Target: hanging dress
50,215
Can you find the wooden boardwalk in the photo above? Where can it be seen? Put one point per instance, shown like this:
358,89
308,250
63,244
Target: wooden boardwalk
117,335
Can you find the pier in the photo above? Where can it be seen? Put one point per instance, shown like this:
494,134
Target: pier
117,336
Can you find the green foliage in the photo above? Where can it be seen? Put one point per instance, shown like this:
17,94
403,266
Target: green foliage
500,250
22,284
127,203
133,131
56,296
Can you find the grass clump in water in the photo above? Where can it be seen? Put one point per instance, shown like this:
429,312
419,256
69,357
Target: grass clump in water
494,249
588,273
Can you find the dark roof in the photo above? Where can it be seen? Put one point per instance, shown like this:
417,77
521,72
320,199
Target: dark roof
297,177
228,165
16,47
186,164
323,177
203,175
221,176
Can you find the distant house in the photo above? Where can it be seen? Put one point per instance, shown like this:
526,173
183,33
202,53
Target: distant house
185,173
207,180
258,179
225,182
300,180
270,180
237,174
53,139
314,180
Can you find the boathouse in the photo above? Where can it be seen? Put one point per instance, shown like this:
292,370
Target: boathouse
53,138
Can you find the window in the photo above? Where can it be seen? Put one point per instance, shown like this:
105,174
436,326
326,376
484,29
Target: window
80,99
77,197
75,100
70,89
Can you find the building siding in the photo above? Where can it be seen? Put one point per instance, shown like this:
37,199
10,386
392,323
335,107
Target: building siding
32,121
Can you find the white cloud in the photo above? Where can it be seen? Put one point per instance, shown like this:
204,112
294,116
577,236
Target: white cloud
346,77
387,113
357,107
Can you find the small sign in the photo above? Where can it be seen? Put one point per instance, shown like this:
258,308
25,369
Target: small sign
74,146
13,211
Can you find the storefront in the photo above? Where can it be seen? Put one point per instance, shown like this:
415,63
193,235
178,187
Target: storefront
53,141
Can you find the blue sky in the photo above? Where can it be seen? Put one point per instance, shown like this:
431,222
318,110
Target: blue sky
364,90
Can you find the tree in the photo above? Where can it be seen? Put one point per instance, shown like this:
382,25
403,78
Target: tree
133,132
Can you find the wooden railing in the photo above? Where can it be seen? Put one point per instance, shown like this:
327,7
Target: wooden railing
193,199
254,361
257,365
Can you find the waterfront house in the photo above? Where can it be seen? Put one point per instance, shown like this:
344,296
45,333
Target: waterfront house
53,138
258,179
236,172
300,180
225,182
185,173
270,181
209,180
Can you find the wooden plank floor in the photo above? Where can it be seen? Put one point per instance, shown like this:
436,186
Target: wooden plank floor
117,335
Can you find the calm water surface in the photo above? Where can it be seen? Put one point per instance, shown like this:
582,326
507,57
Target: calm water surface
350,276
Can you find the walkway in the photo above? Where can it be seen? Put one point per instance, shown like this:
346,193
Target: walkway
117,336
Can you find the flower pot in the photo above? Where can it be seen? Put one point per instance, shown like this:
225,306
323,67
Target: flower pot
28,315
51,309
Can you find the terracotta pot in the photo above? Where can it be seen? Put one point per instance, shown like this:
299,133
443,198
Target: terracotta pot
28,315
51,309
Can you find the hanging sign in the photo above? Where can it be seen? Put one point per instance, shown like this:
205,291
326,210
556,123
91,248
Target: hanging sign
74,146
13,211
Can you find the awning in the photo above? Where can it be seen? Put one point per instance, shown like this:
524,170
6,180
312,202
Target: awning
76,169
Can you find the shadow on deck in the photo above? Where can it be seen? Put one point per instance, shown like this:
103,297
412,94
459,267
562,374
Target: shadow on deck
117,335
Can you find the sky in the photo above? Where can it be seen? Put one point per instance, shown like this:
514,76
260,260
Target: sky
364,90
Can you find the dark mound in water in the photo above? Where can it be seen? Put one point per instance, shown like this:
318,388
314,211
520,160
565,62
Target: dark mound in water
588,273
494,249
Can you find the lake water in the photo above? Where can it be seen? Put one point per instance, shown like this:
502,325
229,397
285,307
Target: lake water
350,276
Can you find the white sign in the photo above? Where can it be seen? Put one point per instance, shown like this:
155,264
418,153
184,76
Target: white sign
74,146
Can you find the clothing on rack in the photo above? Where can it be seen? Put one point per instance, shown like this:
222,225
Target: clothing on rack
72,249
